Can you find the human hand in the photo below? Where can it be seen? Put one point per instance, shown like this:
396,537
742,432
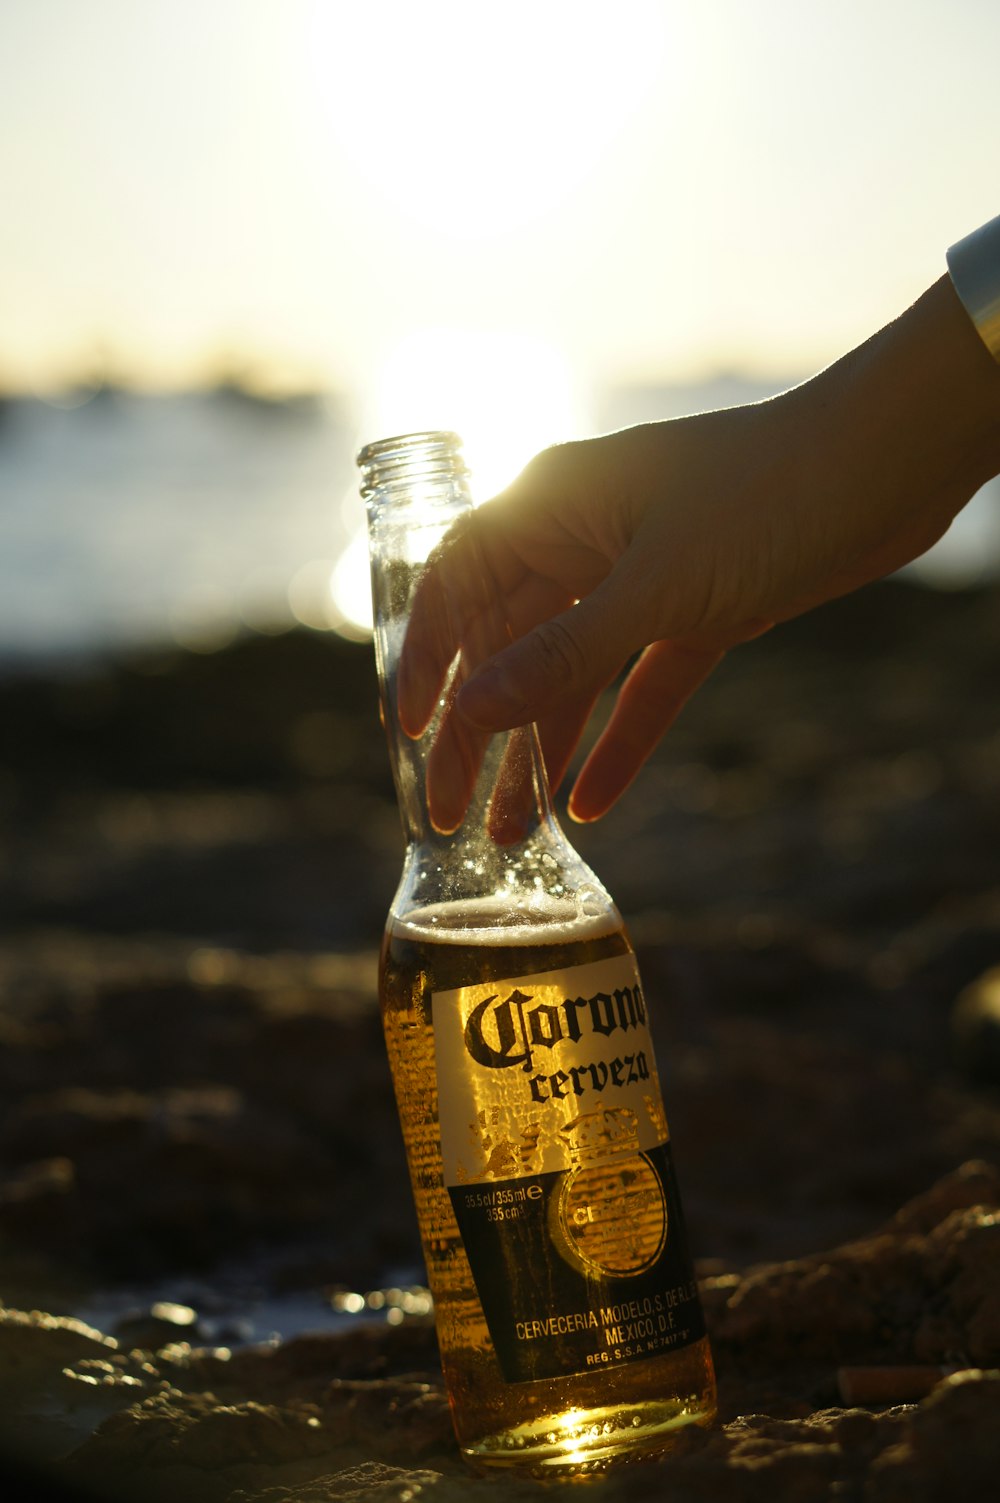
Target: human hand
680,540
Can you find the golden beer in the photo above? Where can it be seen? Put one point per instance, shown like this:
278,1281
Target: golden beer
617,1405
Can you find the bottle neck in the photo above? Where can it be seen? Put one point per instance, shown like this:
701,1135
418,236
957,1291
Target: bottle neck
475,807
438,614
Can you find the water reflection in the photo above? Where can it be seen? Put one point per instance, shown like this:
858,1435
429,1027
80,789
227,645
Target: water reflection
227,1315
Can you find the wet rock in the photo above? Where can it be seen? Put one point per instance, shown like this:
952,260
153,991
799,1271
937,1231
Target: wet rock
363,1413
919,1290
949,1447
157,1326
34,1344
273,1412
374,1482
757,1458
399,1418
974,1183
196,1429
59,1378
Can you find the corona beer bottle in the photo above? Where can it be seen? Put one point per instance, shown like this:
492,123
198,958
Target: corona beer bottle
518,1035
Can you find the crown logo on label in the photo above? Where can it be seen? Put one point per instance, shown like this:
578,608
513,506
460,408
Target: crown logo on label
597,1134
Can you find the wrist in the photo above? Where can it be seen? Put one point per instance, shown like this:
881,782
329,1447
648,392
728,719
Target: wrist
953,381
925,392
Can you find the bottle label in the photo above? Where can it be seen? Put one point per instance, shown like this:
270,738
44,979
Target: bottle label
557,1159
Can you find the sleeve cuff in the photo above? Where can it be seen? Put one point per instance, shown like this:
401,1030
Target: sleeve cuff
974,267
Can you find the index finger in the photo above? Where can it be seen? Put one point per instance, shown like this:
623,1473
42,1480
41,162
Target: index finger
458,603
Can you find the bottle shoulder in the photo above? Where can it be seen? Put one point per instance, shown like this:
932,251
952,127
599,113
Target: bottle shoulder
541,891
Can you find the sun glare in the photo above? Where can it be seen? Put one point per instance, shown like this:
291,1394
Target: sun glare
463,123
507,395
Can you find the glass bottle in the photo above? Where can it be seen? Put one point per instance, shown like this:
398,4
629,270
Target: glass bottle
567,1313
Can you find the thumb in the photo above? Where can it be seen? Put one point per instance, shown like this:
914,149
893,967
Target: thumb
564,658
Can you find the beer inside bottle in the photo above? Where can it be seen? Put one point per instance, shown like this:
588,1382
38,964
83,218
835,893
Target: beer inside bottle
518,1035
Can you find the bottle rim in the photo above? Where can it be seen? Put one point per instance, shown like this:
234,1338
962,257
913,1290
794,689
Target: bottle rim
430,454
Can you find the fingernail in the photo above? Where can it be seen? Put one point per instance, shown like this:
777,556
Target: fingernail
581,816
489,700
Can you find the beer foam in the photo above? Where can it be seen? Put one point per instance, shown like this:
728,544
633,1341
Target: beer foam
499,921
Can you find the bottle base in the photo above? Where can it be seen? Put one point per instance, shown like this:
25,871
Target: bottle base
581,1441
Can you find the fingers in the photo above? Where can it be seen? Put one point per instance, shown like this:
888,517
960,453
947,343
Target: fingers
427,653
457,603
448,593
457,754
453,764
516,796
463,618
561,661
559,733
648,703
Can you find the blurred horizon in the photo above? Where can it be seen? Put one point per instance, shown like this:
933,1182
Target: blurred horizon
186,518
139,520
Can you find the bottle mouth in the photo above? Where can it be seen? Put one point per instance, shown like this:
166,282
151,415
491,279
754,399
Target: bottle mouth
411,457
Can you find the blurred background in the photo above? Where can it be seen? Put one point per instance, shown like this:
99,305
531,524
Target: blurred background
242,236
239,238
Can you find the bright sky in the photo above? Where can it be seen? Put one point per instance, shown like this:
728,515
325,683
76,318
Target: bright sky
355,193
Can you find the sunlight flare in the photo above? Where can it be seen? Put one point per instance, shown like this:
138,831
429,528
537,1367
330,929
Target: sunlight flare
507,394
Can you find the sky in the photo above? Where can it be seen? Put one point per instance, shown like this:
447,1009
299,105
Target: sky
532,198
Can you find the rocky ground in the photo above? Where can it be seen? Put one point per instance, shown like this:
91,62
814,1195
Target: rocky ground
209,1268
